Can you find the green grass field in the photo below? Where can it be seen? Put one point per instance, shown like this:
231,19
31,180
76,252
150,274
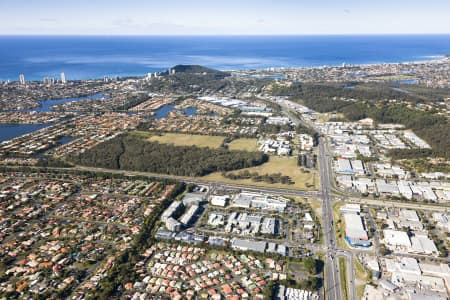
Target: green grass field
360,272
362,276
316,205
285,165
179,139
343,275
244,144
395,77
339,226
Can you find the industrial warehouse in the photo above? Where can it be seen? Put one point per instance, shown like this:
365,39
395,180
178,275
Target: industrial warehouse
355,231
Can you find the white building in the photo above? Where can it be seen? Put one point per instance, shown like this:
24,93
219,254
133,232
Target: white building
354,227
216,220
278,120
269,226
345,181
442,220
344,166
358,167
441,270
172,224
175,208
428,193
405,189
256,200
412,137
245,245
188,216
399,241
220,200
405,265
423,245
408,218
350,208
387,188
22,79
396,238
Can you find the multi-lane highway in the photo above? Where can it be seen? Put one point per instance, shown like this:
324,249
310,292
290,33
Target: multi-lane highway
197,181
332,279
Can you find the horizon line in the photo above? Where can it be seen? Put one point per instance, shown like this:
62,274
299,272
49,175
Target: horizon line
215,35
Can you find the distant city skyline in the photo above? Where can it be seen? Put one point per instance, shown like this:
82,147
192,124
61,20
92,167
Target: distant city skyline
201,17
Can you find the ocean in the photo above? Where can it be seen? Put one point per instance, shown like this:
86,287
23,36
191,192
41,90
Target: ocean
87,57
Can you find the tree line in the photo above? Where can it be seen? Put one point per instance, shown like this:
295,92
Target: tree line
325,97
431,127
256,177
132,152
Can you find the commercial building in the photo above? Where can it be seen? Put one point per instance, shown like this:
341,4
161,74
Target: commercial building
387,285
412,137
350,208
172,224
396,238
256,200
193,199
220,200
355,232
406,265
440,270
358,167
245,245
408,218
421,244
387,188
170,214
442,220
216,220
405,189
188,217
344,166
277,248
280,147
284,293
354,227
22,79
420,280
278,120
174,210
269,226
400,242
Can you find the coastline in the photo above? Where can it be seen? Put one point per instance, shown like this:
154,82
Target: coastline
270,70
443,59
88,58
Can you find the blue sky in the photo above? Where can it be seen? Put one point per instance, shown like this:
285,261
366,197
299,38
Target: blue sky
229,17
